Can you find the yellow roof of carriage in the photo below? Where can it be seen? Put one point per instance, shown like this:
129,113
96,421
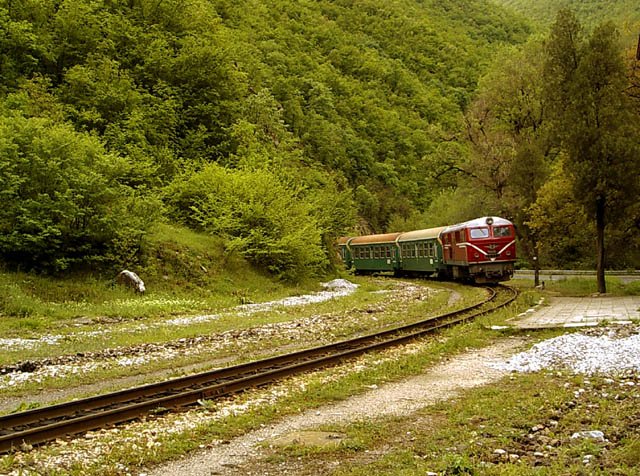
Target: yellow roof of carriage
384,238
427,234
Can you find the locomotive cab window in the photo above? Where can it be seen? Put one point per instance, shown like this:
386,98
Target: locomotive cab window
499,231
477,233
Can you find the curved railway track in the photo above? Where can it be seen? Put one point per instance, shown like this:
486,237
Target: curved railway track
48,423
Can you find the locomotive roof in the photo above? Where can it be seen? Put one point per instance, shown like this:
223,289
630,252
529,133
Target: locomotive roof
374,239
429,233
484,221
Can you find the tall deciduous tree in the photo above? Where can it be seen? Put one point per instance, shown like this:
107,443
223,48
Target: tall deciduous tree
594,120
509,150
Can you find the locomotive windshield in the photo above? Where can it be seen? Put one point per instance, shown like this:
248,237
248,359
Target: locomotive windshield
479,232
499,231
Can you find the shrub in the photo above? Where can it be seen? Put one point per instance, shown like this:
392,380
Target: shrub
260,214
63,200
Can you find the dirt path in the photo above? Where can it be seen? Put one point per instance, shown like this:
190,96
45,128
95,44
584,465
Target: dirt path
444,381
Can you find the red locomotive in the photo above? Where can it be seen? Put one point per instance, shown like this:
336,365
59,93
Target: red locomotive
483,250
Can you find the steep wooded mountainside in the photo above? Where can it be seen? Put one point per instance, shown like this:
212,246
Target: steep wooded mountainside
274,125
624,13
345,101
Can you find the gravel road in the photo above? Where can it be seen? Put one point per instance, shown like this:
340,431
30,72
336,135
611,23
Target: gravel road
468,370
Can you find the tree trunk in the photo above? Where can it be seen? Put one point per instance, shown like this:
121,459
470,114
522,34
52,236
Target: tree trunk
536,264
600,260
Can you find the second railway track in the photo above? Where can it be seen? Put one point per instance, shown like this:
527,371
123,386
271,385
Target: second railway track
48,423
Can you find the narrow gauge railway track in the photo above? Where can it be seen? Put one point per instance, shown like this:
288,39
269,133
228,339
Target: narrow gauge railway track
48,423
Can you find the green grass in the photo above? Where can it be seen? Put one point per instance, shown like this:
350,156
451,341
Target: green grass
585,286
461,436
183,272
363,312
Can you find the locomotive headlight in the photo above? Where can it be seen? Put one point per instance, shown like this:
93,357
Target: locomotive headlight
489,221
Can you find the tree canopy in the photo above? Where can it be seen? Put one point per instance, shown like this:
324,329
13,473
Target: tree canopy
624,13
597,124
563,105
364,115
357,94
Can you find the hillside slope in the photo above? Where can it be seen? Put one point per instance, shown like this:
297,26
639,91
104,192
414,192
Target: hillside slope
363,89
624,13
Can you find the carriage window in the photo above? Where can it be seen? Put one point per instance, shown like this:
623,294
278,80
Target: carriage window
479,232
499,231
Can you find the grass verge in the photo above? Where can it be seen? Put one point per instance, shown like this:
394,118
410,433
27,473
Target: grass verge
584,286
523,426
233,338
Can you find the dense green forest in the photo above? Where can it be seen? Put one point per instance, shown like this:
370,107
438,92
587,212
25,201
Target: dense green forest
276,126
624,13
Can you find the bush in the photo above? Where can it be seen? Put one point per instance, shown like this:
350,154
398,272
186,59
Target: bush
259,213
63,200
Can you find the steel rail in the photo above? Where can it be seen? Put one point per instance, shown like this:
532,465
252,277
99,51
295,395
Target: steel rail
44,424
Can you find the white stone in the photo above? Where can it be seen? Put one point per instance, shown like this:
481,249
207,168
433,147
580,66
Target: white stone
131,279
596,435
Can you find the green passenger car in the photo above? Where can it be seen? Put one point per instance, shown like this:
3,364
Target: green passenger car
411,252
420,251
370,253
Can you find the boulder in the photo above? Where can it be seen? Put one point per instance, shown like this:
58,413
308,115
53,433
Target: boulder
131,279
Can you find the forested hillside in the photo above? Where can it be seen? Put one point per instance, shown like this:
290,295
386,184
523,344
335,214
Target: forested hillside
624,13
277,125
